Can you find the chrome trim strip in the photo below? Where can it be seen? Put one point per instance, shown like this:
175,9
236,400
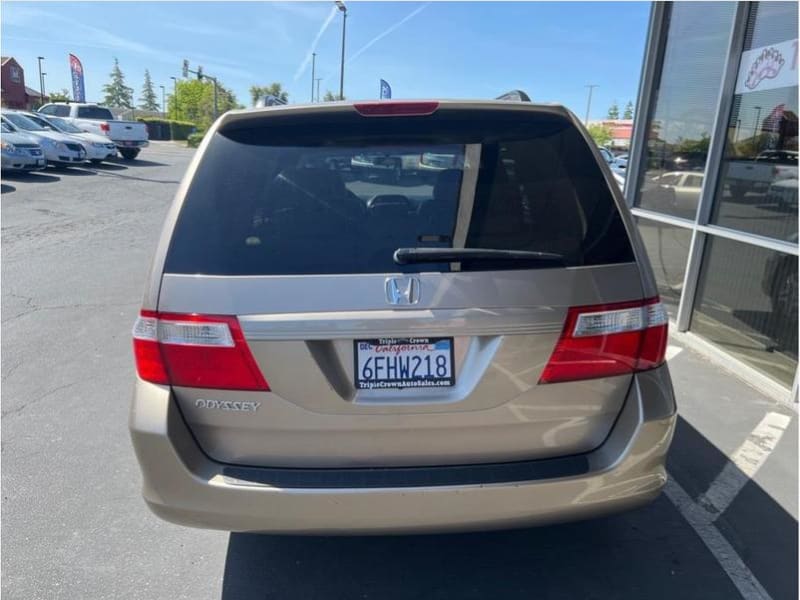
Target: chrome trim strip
388,323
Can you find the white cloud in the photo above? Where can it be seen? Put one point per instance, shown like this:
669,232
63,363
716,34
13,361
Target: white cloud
307,10
386,32
93,37
86,35
325,24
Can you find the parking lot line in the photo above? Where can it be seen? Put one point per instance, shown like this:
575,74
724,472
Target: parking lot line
745,462
703,524
673,351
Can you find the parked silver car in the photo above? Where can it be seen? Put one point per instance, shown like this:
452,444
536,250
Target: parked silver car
98,147
59,149
320,354
20,152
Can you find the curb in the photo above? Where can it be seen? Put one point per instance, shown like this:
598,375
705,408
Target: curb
741,370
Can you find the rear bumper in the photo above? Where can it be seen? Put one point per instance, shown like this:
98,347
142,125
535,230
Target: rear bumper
131,144
184,486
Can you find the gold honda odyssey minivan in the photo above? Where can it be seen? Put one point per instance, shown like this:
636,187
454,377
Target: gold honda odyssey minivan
399,316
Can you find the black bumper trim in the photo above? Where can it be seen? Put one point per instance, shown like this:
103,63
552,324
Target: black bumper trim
400,477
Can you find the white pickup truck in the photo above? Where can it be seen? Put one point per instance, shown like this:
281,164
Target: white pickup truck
129,136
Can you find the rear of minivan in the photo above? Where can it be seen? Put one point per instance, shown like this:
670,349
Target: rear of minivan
399,317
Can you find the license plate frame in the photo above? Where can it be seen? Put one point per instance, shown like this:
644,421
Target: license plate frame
419,373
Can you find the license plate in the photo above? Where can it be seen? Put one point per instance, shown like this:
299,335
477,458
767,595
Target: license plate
394,363
128,143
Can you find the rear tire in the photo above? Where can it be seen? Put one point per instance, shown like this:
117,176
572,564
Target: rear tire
96,161
129,153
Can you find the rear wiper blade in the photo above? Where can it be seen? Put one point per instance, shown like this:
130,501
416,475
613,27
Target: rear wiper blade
407,256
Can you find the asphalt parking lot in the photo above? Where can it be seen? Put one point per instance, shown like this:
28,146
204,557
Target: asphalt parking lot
76,246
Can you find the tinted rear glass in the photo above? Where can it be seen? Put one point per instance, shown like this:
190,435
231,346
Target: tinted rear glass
94,112
340,195
56,109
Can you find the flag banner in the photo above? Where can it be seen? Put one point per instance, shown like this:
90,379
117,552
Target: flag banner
386,90
76,68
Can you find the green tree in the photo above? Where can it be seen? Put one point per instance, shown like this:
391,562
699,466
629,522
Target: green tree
628,114
274,89
148,99
689,145
331,97
613,111
194,102
601,134
62,96
117,94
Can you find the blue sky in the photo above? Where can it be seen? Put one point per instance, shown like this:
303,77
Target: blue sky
433,49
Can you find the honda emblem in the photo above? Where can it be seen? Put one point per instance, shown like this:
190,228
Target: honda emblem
402,290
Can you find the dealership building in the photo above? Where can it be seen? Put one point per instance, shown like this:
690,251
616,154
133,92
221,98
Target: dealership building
713,176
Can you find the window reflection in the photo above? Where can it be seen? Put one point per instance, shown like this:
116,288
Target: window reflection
757,191
685,104
747,302
668,249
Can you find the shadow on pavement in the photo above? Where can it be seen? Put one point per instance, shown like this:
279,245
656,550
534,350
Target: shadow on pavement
651,552
107,166
73,171
138,162
32,177
4,189
759,529
134,177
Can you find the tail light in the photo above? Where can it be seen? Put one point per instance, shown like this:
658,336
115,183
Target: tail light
105,127
395,108
190,350
609,339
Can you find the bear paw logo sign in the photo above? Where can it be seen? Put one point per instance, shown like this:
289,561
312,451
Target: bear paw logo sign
767,65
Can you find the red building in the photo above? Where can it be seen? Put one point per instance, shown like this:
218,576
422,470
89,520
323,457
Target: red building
13,93
621,130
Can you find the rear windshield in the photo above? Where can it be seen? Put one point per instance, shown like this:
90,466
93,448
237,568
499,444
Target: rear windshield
343,194
94,112
55,109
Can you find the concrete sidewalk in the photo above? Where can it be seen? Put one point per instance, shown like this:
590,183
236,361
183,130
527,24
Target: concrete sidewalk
735,454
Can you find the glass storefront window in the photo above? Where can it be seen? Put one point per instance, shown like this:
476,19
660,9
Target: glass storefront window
686,96
747,304
757,191
668,250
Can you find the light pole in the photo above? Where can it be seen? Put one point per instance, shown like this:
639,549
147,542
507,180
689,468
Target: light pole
163,105
313,73
318,80
343,9
41,78
214,81
589,103
43,74
175,95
